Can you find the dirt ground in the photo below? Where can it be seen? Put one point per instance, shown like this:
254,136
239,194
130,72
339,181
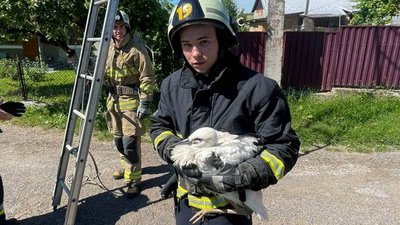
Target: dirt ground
323,188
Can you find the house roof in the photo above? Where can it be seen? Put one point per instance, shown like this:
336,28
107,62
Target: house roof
315,7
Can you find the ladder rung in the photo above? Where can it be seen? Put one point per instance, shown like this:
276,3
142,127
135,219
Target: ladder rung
100,2
81,115
73,151
64,186
94,39
69,147
81,106
87,77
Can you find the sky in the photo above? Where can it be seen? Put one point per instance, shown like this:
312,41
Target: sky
241,4
247,5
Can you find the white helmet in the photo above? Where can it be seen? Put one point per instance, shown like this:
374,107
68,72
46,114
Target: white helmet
123,17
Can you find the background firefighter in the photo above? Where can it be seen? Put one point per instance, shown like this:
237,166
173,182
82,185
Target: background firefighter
129,82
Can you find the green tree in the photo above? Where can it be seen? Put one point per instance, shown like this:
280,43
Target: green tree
375,12
51,21
62,22
234,11
150,19
232,7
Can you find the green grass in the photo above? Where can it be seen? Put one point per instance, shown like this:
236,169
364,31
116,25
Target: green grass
360,122
54,90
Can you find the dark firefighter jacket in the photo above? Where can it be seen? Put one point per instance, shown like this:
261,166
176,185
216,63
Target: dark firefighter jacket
233,99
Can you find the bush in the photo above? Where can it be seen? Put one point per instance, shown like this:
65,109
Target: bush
8,69
32,70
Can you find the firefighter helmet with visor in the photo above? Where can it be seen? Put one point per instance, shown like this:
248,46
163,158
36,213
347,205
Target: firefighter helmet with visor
211,12
123,17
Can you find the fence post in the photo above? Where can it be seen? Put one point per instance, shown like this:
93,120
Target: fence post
21,79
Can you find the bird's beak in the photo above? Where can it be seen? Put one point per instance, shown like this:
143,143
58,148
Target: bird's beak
184,141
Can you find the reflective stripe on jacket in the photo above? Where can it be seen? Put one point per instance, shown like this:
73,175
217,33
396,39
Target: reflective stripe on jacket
200,202
129,64
236,100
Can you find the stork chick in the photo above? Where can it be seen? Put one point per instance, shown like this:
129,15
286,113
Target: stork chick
207,143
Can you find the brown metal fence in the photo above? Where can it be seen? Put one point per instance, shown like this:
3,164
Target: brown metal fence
356,56
252,49
301,62
361,57
368,57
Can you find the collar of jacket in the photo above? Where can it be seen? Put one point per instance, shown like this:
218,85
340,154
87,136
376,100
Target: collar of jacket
225,70
122,43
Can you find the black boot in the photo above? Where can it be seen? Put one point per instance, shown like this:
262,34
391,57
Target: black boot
119,173
133,190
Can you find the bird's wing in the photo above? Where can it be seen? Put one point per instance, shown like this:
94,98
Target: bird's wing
203,157
207,161
214,165
229,151
236,151
181,156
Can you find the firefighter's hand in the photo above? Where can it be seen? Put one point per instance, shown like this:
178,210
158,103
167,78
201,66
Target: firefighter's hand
190,171
143,109
166,151
240,179
214,162
13,108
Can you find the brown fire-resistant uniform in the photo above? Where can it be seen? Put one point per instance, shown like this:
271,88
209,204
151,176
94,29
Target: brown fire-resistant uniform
129,79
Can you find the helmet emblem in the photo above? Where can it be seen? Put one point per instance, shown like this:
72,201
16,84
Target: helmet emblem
117,17
184,11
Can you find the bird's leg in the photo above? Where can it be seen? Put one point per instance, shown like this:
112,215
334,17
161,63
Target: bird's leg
202,213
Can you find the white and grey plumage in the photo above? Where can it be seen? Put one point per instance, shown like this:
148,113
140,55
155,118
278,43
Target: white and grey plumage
207,143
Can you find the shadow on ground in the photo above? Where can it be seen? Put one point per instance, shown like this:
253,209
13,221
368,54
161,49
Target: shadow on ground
107,207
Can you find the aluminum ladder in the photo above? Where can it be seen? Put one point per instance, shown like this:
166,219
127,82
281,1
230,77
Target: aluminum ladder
84,106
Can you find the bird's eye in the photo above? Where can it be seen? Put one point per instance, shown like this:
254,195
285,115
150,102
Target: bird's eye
196,141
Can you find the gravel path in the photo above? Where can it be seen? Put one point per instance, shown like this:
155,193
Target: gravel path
323,188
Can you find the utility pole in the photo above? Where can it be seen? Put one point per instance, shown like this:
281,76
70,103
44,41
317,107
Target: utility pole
306,4
273,50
